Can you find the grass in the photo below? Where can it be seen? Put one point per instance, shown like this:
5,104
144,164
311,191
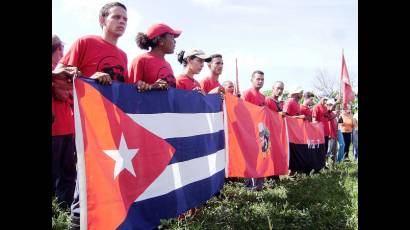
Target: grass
327,200
321,201
60,217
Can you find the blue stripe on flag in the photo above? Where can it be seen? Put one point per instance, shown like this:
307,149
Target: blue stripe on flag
172,204
126,97
187,148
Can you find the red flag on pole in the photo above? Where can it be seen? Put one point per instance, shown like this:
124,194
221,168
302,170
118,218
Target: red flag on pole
348,95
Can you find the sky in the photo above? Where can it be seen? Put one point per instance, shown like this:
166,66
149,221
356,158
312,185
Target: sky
289,40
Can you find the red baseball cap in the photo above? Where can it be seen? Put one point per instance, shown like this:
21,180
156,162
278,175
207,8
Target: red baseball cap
161,28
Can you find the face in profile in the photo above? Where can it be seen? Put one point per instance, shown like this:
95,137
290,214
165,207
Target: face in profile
168,43
196,65
309,101
216,65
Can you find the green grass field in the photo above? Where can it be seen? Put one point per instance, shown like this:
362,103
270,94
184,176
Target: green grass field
327,200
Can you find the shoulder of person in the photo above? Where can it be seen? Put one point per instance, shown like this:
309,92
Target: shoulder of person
204,80
180,77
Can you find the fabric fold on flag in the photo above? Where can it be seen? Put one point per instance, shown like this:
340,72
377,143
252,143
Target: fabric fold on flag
347,91
257,140
148,156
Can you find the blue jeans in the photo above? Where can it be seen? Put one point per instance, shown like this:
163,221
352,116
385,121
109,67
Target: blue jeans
341,152
355,143
332,147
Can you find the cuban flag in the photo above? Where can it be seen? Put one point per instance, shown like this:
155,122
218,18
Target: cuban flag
146,156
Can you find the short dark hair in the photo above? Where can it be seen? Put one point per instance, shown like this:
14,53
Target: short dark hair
257,72
308,94
104,12
55,43
214,56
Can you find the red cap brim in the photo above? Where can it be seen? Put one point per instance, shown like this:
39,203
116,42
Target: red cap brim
176,33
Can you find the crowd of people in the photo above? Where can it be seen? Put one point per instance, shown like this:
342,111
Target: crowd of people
99,58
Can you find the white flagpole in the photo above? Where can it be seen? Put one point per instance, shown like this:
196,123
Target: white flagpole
79,142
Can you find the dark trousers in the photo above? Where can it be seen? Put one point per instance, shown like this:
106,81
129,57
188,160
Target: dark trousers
347,137
63,169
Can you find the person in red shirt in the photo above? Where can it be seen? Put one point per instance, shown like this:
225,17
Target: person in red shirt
150,70
305,108
253,96
211,84
62,140
320,114
331,151
273,101
228,86
291,107
193,63
98,57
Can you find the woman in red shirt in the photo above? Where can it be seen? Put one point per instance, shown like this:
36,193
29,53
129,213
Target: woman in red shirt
150,70
193,62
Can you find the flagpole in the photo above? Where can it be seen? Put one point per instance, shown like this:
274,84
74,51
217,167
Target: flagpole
341,79
81,177
237,81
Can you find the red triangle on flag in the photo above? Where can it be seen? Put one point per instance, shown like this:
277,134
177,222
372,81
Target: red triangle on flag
103,124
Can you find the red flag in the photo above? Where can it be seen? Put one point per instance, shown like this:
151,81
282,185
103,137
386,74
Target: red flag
257,142
348,95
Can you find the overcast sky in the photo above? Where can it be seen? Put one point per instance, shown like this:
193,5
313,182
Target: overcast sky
289,40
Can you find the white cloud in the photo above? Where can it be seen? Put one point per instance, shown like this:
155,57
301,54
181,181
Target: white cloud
127,41
80,11
80,18
209,3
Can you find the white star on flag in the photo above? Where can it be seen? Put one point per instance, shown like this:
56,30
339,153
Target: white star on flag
122,157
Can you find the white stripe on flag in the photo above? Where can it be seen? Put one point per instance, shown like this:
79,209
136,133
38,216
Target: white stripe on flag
169,125
81,177
183,173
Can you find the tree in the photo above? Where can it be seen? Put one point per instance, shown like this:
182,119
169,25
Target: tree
324,84
329,85
268,93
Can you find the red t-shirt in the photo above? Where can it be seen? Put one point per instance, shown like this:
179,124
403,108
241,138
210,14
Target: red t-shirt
273,104
333,128
187,83
63,116
291,107
93,54
305,110
208,84
253,96
321,114
90,54
149,68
